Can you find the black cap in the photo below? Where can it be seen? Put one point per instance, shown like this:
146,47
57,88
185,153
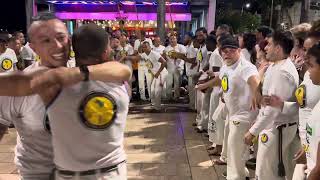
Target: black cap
229,42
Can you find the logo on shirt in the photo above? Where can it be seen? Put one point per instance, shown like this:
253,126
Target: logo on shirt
225,83
199,55
6,64
301,96
98,110
37,58
264,138
72,54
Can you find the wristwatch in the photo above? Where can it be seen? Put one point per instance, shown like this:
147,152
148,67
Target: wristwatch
85,71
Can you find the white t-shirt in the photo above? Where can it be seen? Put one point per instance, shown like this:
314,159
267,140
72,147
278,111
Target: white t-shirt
28,54
8,59
245,54
202,56
152,61
191,53
33,153
313,137
216,60
83,137
138,43
281,79
237,92
311,94
128,49
159,49
175,64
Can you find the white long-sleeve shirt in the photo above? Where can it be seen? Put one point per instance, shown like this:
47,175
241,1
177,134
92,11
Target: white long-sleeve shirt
281,79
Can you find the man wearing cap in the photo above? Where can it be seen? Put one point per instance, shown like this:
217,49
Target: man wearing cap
239,80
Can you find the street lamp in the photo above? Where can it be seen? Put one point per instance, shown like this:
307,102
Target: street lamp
246,5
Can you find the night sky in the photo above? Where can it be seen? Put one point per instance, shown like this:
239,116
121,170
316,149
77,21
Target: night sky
12,15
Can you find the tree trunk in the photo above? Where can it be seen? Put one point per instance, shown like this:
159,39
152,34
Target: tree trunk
305,7
161,19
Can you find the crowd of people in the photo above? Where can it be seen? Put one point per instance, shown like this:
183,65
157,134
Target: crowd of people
256,96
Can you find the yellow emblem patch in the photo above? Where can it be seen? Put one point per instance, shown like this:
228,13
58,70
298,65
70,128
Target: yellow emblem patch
301,96
37,58
199,56
306,148
123,53
98,110
72,54
225,83
7,64
264,138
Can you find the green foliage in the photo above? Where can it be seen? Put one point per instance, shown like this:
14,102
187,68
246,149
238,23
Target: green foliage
240,22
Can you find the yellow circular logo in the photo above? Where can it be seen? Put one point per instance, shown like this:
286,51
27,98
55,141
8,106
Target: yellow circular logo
225,83
264,138
6,64
301,95
72,54
98,110
306,148
37,58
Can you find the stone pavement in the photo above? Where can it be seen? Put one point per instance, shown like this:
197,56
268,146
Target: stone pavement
159,146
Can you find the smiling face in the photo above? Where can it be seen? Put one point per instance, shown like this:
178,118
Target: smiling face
50,40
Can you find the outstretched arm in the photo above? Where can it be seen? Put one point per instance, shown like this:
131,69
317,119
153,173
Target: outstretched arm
27,83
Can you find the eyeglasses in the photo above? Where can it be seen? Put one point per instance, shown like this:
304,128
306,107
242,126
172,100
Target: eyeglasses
228,50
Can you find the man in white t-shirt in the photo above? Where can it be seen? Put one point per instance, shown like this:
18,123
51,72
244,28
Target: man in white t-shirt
276,129
142,69
34,155
239,80
157,45
28,55
155,64
175,67
126,50
8,58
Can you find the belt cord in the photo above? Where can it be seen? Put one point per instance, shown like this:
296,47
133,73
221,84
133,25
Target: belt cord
281,169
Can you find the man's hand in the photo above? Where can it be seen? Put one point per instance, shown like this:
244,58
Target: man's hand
157,75
201,87
248,138
210,73
300,157
273,101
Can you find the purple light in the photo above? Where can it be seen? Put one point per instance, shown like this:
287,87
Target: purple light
127,16
126,2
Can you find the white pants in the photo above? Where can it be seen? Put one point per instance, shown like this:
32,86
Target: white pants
199,100
118,174
175,79
192,93
224,152
156,89
203,123
142,74
299,172
164,72
238,151
268,154
217,121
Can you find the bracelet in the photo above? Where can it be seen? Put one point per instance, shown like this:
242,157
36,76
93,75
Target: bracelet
85,71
